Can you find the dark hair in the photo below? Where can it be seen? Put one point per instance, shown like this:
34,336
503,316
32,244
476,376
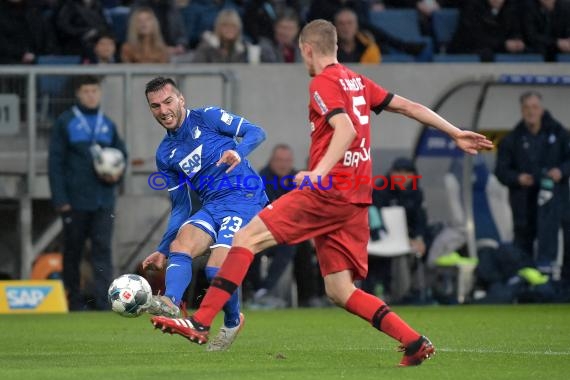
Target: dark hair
85,80
529,94
280,146
158,83
288,14
105,34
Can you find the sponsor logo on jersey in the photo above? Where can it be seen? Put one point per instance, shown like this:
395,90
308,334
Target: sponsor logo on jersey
353,159
172,153
227,118
196,132
26,297
320,102
312,126
192,163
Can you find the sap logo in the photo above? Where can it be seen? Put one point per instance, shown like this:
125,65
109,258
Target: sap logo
26,297
192,163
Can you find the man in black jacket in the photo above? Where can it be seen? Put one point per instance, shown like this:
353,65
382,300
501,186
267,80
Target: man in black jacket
533,161
84,199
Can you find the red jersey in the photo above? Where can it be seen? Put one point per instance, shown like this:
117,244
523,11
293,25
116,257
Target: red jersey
340,90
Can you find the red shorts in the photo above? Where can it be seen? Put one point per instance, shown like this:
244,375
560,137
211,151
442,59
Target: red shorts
340,229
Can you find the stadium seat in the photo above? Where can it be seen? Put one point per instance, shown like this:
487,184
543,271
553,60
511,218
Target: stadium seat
119,17
518,58
198,18
563,58
491,210
397,58
395,242
444,24
456,58
403,24
52,87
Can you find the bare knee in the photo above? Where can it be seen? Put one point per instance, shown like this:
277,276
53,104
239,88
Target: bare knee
181,248
339,289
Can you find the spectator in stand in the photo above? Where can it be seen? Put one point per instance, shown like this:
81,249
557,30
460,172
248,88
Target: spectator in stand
24,34
144,42
226,43
260,17
354,45
284,48
547,27
487,27
327,9
78,23
104,51
171,23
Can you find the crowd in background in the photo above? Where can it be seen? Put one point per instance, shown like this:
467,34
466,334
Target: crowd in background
160,31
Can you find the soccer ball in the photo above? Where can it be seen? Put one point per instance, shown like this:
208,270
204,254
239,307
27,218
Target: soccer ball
129,295
108,161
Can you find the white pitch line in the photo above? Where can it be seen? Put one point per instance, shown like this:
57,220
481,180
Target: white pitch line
478,351
484,351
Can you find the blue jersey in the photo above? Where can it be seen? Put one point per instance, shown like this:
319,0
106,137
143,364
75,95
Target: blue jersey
188,157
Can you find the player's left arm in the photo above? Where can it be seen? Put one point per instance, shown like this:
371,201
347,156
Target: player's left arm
468,141
235,126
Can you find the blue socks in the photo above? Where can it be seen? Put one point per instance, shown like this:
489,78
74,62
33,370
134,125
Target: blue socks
178,276
231,308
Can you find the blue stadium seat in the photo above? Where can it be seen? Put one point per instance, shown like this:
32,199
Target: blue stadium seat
403,24
518,58
397,58
51,88
563,58
119,22
53,84
456,58
198,18
444,24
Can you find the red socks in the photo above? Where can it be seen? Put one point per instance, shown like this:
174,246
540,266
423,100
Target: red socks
227,280
375,311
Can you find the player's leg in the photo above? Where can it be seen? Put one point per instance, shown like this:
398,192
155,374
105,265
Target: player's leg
190,242
223,286
233,318
343,256
295,217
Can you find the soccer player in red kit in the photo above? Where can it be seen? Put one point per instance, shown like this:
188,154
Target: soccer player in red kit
337,219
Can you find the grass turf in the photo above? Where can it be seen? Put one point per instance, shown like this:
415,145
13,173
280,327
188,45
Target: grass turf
473,342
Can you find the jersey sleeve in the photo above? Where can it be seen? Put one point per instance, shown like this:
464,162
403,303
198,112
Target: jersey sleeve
181,205
378,97
235,126
326,97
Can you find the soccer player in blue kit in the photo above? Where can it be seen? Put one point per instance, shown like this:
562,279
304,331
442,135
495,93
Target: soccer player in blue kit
200,151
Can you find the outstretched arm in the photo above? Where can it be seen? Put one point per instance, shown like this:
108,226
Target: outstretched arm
470,142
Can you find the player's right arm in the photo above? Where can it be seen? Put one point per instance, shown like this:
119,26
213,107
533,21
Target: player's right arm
343,135
181,207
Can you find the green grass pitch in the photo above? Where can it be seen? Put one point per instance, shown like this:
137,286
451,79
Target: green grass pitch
473,342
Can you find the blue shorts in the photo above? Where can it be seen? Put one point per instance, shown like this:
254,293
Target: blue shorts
221,218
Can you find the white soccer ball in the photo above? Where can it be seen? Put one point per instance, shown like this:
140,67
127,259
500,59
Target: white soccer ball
109,162
129,295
